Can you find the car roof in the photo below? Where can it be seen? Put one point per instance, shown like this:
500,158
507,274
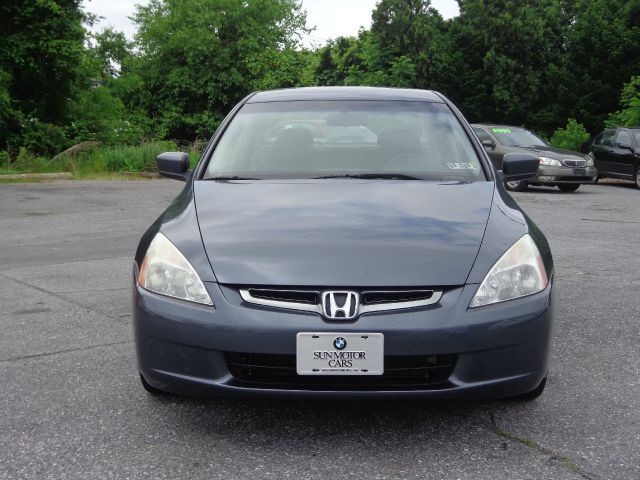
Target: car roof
345,93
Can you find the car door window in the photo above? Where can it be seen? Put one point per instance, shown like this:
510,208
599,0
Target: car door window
606,138
623,139
482,135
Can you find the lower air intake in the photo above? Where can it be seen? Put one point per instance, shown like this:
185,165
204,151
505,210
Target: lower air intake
402,372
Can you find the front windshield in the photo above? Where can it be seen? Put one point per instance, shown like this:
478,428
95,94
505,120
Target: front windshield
636,134
517,137
351,139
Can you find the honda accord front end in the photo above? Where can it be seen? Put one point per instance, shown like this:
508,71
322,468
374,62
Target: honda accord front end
344,241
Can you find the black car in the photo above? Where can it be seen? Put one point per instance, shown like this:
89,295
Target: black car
344,242
564,169
616,153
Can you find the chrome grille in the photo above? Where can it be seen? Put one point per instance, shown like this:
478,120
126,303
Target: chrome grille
571,162
370,300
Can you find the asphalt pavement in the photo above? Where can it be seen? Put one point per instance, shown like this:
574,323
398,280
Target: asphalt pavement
71,405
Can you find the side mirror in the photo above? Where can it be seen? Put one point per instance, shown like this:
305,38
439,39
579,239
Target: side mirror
488,143
626,146
173,165
519,166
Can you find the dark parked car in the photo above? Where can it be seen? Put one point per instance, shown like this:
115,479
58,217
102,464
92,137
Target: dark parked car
564,169
306,260
616,152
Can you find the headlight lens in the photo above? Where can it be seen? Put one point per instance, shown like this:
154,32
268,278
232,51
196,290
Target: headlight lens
589,161
519,272
165,271
550,161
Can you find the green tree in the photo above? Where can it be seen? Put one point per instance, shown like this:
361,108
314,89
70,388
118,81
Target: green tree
112,50
507,55
602,54
406,43
343,61
629,115
197,58
41,44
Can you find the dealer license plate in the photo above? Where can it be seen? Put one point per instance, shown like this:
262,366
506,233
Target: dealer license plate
339,353
580,172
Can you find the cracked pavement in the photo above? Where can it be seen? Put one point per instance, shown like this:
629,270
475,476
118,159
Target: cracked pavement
71,405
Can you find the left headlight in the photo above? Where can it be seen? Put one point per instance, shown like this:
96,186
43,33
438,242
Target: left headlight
519,272
550,161
164,270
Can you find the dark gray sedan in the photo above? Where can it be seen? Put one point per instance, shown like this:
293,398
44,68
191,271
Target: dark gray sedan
344,241
560,168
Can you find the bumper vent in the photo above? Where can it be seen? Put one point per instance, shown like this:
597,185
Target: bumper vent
403,372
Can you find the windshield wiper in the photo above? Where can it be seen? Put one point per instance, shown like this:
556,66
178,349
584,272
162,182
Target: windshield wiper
374,176
231,177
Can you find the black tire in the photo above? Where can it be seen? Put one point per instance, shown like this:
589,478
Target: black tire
517,186
638,176
533,394
152,390
569,187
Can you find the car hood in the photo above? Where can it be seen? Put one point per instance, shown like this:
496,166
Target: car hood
342,232
553,152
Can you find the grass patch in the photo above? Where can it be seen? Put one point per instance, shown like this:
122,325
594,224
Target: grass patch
99,162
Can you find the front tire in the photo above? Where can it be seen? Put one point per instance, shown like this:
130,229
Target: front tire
638,176
570,187
533,394
517,186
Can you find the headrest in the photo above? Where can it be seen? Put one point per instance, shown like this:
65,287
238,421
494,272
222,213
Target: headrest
295,137
398,138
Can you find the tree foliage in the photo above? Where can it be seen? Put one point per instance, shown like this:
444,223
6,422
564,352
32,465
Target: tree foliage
41,43
524,62
629,115
197,58
570,137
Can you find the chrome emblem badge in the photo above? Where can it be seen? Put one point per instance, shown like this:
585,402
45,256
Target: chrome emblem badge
340,343
340,305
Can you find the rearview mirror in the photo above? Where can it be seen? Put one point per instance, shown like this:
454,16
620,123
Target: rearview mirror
519,166
488,143
173,165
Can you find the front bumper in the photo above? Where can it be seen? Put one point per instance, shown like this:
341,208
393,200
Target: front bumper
550,175
501,350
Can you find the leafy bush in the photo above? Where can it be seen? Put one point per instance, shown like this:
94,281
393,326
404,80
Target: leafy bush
571,137
99,115
43,138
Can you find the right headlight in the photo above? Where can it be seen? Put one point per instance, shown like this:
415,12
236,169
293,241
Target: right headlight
550,161
518,273
590,160
164,270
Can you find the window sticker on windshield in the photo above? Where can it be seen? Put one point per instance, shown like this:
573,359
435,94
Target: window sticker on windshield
460,166
500,130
